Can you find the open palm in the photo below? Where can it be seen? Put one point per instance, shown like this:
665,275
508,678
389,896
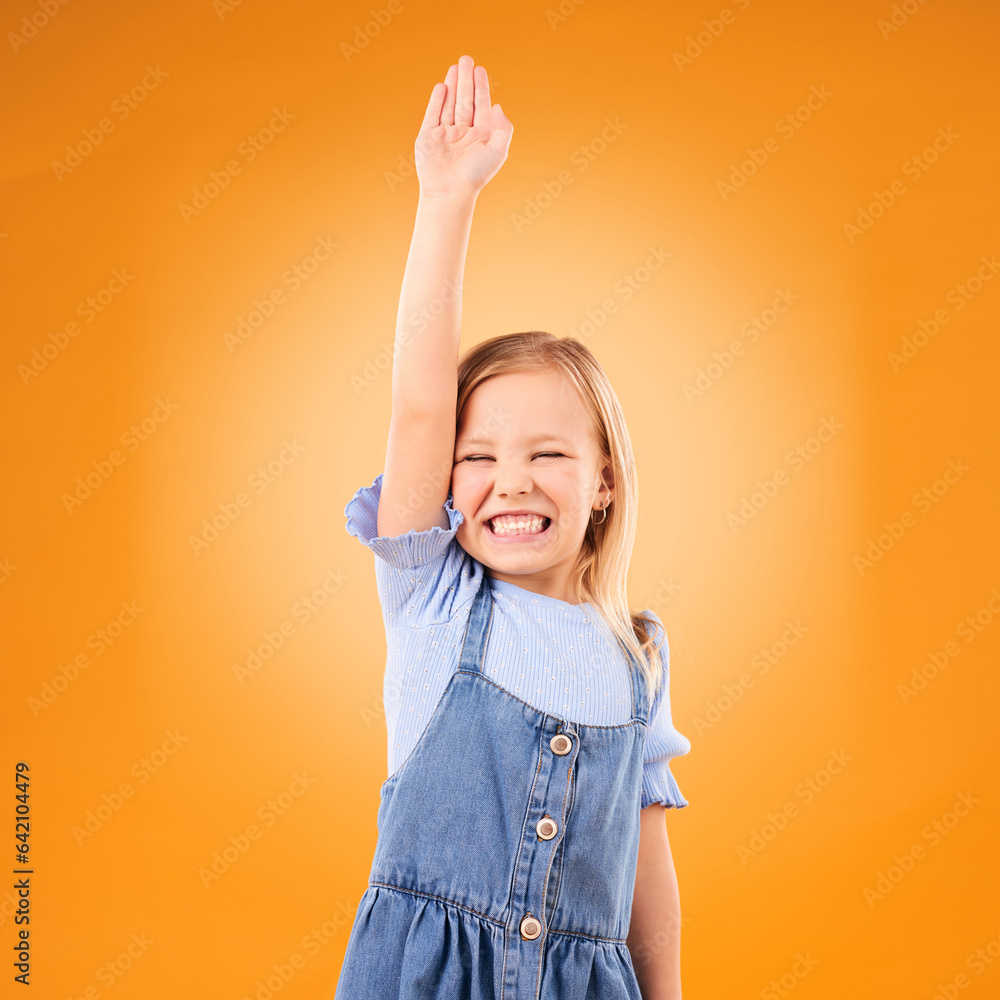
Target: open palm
463,140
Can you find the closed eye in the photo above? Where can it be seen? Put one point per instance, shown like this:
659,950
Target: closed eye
542,454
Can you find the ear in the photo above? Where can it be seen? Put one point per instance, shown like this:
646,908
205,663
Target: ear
608,477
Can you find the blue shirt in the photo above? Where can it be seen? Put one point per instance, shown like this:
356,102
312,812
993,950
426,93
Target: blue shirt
558,657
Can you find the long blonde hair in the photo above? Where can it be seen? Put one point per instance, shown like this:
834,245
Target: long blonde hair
602,567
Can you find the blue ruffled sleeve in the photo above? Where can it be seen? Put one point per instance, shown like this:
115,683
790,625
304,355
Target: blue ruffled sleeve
421,576
663,742
413,548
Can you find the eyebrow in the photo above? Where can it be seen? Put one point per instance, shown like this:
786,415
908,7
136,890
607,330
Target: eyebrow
481,439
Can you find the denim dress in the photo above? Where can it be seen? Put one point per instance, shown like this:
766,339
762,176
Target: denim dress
506,854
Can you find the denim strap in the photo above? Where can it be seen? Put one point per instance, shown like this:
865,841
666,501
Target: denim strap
477,628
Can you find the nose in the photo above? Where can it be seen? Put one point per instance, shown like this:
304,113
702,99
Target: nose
511,479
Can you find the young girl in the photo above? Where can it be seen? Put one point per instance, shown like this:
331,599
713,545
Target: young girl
522,848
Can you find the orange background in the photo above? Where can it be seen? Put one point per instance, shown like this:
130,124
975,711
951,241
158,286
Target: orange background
314,374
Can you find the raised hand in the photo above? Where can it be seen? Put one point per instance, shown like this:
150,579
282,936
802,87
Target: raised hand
463,140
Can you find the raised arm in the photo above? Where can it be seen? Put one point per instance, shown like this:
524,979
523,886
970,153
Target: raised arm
462,143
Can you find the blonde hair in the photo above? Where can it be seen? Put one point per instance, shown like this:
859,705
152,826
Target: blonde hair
602,566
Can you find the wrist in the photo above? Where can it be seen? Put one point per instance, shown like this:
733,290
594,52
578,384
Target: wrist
465,198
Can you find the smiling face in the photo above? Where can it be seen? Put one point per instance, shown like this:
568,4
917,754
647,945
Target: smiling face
525,444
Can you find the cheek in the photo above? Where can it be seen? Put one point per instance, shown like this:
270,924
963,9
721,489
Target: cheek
575,496
459,479
467,490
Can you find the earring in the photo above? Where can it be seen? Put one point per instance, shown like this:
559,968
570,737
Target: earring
603,511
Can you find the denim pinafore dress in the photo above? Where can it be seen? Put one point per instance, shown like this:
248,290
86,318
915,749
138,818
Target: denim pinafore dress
507,844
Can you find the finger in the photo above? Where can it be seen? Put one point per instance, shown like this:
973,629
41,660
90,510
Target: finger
432,116
464,95
451,82
503,129
481,116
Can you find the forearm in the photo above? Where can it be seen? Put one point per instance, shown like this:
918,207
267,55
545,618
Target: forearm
428,323
654,940
462,142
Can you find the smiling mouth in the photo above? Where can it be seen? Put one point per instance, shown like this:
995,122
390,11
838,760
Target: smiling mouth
521,524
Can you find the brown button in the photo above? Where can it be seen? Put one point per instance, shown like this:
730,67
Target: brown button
561,744
546,828
530,928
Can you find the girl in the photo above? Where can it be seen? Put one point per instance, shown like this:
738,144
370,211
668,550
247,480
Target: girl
522,848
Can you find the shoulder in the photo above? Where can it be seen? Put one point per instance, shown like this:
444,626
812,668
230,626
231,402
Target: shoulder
657,632
654,626
411,548
423,577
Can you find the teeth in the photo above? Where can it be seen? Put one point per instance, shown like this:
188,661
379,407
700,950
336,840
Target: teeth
518,524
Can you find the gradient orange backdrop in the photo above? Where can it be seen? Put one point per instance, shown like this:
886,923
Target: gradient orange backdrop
781,149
